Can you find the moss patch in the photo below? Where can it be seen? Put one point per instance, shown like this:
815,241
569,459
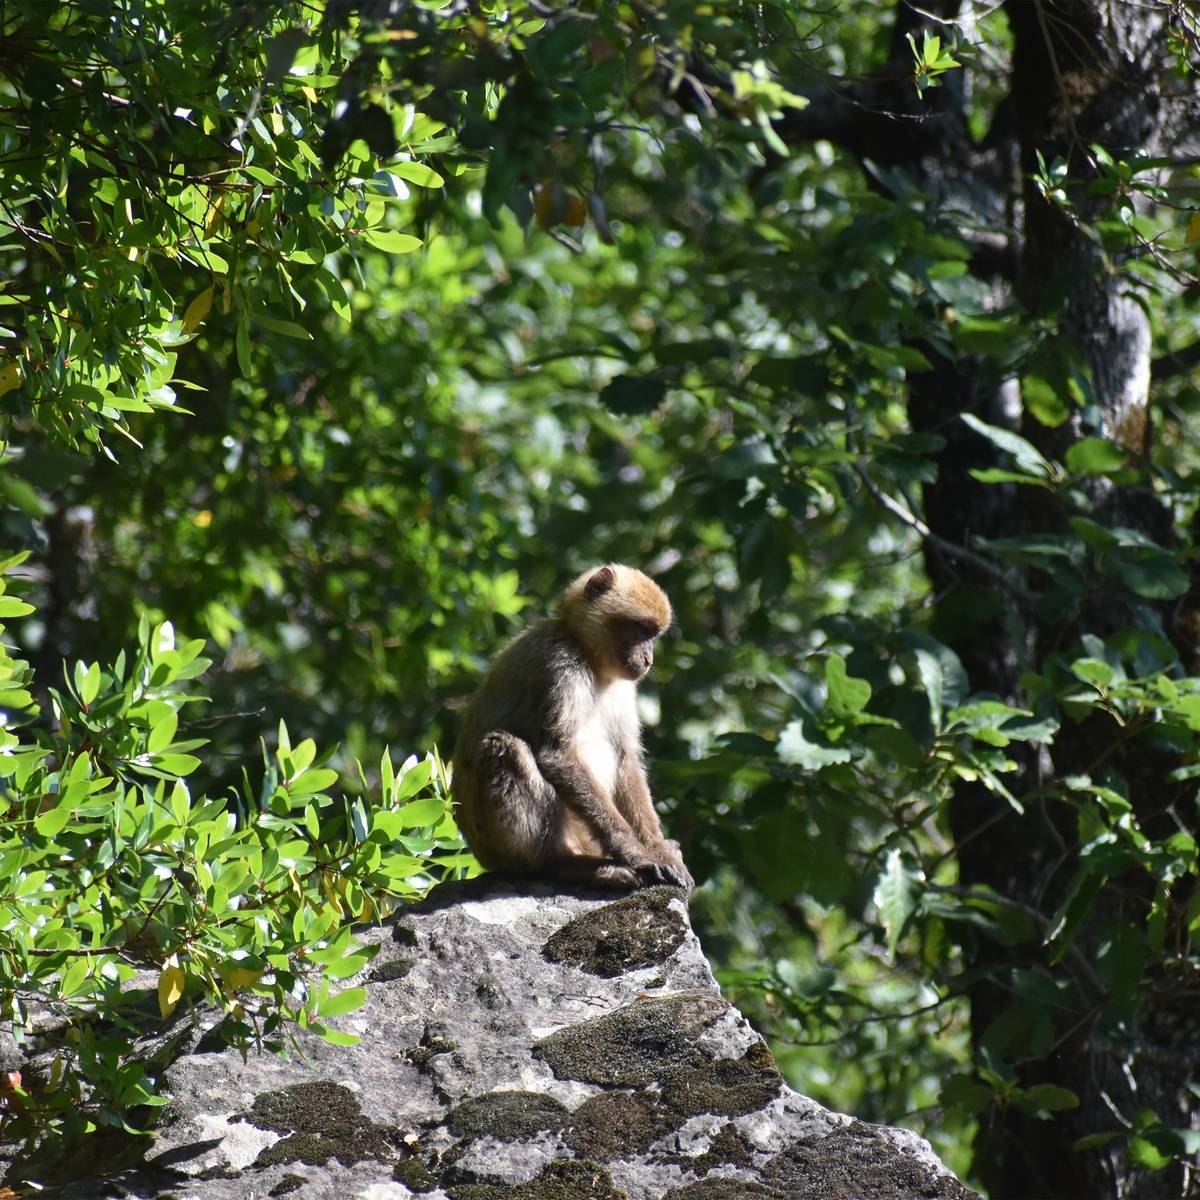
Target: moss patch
857,1163
727,1149
724,1188
322,1120
634,1045
564,1179
289,1183
728,1086
618,1125
395,968
432,1044
510,1116
415,1175
638,931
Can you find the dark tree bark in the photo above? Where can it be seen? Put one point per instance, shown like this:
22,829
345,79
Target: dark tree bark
1082,73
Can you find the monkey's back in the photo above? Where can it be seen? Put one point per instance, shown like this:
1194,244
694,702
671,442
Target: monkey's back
534,676
540,674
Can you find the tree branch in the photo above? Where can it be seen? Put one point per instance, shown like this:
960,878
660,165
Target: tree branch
1178,362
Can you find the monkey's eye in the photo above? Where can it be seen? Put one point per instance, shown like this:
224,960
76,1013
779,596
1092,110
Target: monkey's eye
642,631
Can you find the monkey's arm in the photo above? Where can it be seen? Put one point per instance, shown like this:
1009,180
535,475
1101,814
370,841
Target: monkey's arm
578,791
632,797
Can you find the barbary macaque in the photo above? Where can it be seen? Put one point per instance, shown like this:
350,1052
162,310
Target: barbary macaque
548,776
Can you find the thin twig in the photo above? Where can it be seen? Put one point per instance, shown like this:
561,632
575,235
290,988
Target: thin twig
947,547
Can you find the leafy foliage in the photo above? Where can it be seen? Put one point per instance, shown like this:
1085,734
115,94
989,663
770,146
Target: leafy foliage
452,289
119,882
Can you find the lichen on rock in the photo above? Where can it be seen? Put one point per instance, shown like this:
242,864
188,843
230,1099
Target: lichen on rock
642,930
508,1050
564,1179
322,1121
635,1044
510,1116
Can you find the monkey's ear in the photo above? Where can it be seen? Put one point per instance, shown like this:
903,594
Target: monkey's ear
599,583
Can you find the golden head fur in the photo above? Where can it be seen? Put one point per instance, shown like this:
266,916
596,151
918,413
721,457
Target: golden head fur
613,591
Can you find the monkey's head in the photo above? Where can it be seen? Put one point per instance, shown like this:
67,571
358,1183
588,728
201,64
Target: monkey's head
617,612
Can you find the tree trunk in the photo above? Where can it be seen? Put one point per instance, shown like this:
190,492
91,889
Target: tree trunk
1083,74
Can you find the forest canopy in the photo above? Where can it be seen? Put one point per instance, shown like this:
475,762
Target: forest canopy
335,337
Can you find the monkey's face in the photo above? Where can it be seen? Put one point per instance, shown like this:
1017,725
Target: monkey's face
633,645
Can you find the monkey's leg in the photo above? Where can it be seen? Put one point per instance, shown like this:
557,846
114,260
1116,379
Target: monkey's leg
525,827
595,872
517,822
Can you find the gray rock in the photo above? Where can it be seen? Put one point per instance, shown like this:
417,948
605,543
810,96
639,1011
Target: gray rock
518,1043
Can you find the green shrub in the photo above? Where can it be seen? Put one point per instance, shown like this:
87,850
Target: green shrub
115,880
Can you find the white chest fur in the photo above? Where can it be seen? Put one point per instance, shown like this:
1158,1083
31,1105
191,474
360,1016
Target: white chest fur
606,728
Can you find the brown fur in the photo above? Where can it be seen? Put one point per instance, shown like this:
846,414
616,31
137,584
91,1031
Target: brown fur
548,775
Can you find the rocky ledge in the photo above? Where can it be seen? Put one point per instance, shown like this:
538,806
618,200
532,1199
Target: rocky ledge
520,1043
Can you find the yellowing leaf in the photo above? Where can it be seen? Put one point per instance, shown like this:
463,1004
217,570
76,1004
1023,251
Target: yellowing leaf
10,377
214,217
170,988
1193,228
309,93
198,310
237,978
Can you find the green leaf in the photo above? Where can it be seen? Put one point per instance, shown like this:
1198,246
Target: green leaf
393,243
176,764
1093,670
339,1003
1153,575
422,812
89,685
847,695
1045,1098
630,395
1043,401
1025,453
281,53
930,671
316,780
163,733
335,1037
1000,475
417,173
1095,456
797,747
241,344
1093,1141
287,328
413,780
10,606
54,820
897,895
1145,1153
301,757
1074,910
1121,960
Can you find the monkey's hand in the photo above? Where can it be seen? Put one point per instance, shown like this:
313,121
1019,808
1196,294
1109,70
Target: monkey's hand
664,871
670,848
